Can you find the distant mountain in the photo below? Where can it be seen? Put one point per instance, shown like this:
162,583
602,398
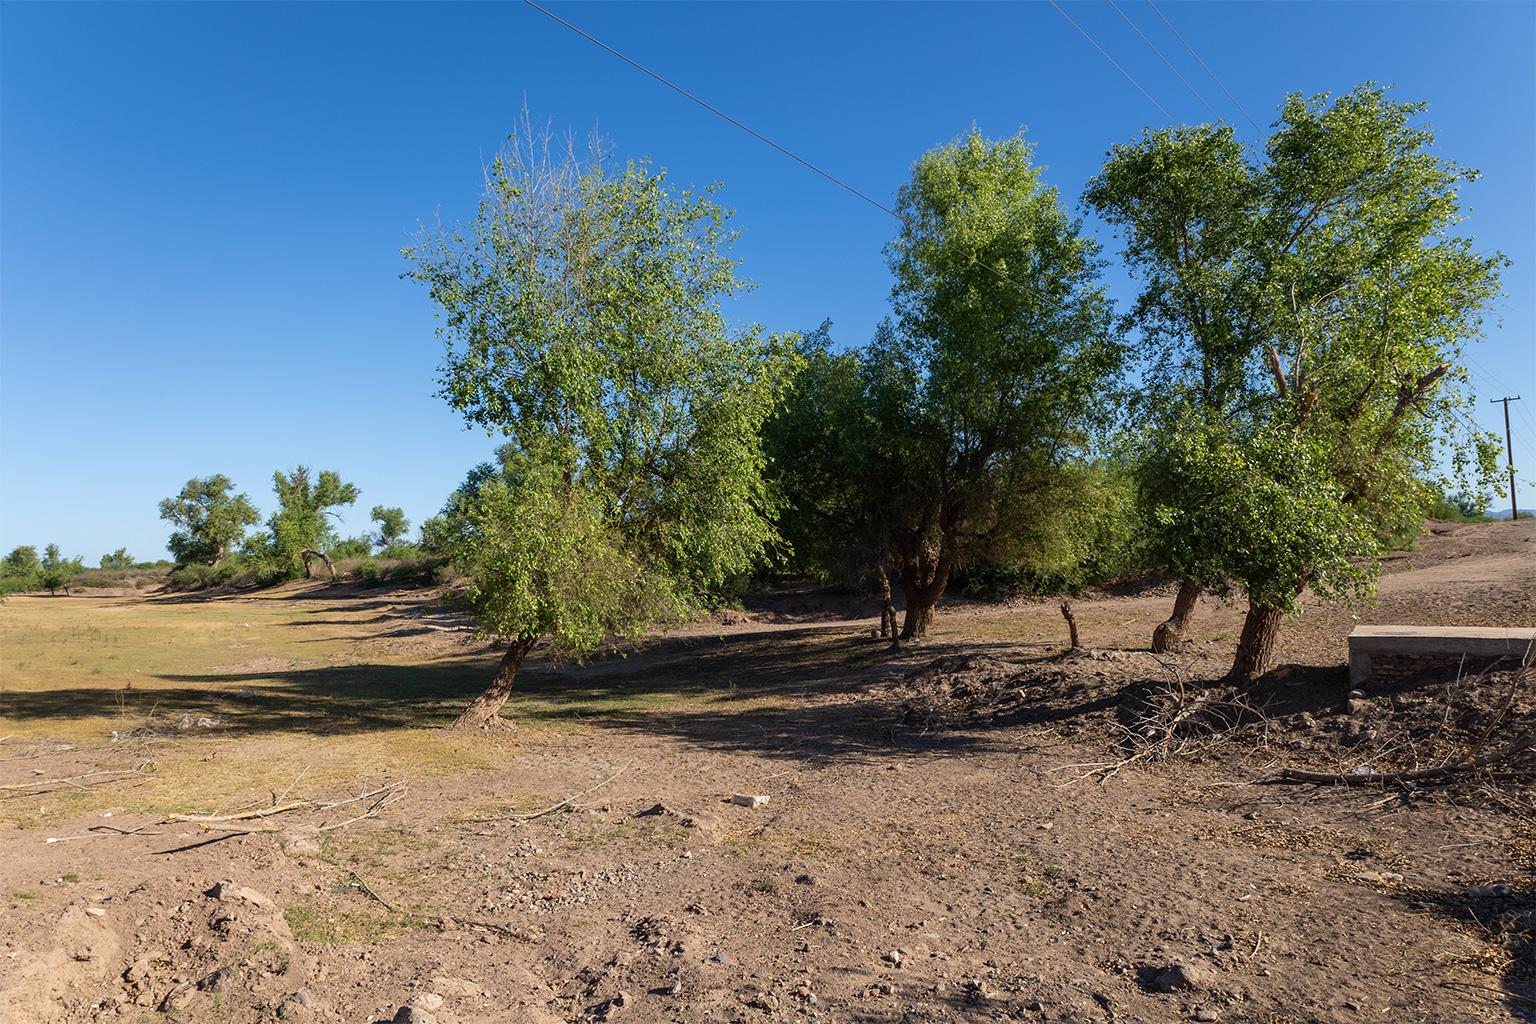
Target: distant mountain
1503,513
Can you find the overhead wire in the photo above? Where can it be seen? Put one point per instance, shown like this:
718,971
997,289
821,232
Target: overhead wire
1153,47
1204,65
1112,62
839,182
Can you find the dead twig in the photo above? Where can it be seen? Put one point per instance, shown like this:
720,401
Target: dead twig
1421,775
74,780
552,808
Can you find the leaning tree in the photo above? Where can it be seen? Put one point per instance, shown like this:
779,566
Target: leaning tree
210,520
581,316
1352,414
986,385
300,530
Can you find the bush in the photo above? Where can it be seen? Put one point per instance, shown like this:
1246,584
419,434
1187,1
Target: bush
369,570
1103,540
194,576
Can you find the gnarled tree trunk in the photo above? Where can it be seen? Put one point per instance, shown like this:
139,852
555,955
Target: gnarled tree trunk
484,712
922,595
1169,634
309,555
1256,646
1066,613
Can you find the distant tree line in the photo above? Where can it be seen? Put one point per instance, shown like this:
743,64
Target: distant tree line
212,544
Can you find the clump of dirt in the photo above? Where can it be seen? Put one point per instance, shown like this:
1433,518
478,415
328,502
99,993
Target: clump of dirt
224,952
966,689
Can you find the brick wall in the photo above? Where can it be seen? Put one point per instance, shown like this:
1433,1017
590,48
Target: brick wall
1390,669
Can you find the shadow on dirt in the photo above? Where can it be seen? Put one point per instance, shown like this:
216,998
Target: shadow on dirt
1506,921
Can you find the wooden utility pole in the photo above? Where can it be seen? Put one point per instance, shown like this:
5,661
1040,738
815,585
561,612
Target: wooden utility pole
1509,454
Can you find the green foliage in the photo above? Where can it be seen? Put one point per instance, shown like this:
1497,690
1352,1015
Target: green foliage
1303,318
1099,537
22,561
55,571
304,501
392,525
948,440
210,520
119,559
369,570
1264,512
581,320
351,547
1461,507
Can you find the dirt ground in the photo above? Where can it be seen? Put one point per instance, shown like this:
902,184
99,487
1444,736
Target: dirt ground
974,828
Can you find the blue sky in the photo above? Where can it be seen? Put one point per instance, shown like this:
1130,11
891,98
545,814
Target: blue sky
202,205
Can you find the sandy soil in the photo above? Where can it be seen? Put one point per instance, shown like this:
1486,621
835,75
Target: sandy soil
936,846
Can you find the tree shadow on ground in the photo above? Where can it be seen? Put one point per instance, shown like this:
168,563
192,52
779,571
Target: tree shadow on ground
784,691
1506,922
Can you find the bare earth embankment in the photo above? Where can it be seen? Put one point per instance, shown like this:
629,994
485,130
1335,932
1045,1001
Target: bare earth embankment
976,828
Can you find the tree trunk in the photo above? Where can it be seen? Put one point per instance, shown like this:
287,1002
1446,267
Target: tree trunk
1256,646
1066,613
887,607
1170,634
309,554
484,712
921,597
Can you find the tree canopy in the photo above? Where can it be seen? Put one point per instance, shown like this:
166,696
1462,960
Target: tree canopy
1304,317
947,439
301,530
210,519
581,317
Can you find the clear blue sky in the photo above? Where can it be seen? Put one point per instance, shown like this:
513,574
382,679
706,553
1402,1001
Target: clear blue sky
202,205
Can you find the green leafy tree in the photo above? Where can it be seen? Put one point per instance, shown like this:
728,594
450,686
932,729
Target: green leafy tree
1187,204
392,526
210,520
119,559
55,571
22,561
1345,390
299,532
986,387
581,316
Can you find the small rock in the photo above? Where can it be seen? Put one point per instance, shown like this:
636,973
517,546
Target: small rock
1207,1014
1179,977
427,1001
96,911
413,1015
231,891
455,987
893,957
748,800
1498,890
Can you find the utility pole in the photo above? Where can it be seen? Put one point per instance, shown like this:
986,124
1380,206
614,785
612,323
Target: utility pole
1509,453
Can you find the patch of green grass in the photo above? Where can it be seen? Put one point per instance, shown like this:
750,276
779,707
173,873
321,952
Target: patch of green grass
335,926
764,886
22,894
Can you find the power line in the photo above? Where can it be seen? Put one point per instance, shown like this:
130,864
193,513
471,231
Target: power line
840,183
834,179
1113,63
1137,29
1203,64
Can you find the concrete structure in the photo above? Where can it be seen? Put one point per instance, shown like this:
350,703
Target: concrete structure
1396,655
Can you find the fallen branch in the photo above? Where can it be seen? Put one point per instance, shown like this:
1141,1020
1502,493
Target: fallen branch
73,780
552,808
1420,775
